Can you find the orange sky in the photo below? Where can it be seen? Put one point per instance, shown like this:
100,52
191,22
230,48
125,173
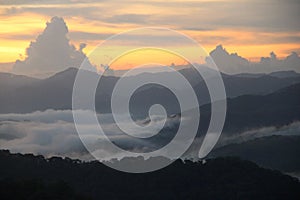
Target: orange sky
204,21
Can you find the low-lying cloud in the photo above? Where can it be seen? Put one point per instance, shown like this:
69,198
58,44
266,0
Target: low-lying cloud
290,129
53,133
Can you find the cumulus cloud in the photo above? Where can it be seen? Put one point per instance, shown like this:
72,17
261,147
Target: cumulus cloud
235,64
51,52
228,63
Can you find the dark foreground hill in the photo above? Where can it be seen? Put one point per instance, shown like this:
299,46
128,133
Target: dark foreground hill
221,178
276,152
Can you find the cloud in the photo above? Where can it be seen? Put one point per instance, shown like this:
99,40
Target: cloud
53,133
235,64
51,52
21,2
129,18
242,24
256,15
290,129
81,35
6,67
228,63
41,138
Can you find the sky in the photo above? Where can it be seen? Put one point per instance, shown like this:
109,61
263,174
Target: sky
251,28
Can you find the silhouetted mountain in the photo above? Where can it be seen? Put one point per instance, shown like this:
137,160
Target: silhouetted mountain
221,178
276,152
19,94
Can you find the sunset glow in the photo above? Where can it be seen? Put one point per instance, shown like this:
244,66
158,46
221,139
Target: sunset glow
93,22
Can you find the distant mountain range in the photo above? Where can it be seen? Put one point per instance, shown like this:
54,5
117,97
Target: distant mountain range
21,94
280,74
28,176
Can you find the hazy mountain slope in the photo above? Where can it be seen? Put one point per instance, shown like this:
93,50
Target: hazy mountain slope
252,111
276,152
8,80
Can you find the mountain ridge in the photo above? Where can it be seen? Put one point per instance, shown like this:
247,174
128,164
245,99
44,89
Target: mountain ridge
55,92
